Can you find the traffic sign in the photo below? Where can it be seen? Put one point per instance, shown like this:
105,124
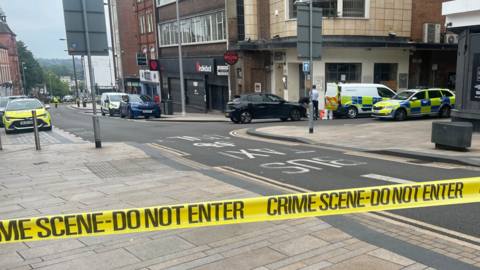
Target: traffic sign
306,67
75,45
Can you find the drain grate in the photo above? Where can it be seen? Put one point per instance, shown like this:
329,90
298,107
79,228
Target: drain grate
127,167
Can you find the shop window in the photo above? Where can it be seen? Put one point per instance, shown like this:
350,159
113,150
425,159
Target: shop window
141,21
344,72
386,74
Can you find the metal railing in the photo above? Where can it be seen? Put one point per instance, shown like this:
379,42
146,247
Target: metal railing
354,8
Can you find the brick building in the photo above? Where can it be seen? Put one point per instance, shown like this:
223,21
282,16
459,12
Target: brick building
147,44
204,41
421,60
10,77
124,29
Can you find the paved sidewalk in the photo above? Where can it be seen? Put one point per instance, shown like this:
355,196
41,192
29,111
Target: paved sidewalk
73,178
408,137
55,136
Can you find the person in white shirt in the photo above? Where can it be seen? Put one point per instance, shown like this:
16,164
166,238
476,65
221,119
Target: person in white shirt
315,101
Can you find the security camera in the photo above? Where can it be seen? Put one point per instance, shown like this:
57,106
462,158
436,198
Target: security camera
392,34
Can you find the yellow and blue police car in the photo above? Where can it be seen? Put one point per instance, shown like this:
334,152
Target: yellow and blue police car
416,102
18,115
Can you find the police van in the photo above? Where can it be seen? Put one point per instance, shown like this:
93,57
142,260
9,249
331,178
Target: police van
110,103
353,99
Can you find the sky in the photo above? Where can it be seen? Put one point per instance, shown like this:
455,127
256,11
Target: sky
39,24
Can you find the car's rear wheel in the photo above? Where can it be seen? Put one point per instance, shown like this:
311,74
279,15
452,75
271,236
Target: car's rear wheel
295,115
284,119
103,113
352,112
400,115
445,111
234,120
246,117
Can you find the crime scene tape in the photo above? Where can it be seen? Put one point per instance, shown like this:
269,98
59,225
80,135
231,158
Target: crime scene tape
323,203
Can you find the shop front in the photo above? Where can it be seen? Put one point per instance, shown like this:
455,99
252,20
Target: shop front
149,83
201,83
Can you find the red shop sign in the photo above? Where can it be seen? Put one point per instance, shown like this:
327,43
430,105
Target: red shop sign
230,57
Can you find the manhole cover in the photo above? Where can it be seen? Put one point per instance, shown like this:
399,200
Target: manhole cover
127,167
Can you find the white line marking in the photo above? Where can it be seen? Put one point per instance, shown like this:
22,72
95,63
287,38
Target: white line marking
230,155
386,178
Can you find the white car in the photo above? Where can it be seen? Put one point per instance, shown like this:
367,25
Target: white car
110,103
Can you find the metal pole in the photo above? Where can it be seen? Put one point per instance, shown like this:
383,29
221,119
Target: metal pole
35,129
1,143
96,121
24,81
180,59
310,105
75,74
433,83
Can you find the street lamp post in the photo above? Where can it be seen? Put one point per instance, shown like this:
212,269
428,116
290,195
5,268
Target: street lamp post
24,81
51,87
310,105
180,59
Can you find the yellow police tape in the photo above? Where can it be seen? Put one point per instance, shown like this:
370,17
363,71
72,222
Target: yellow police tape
242,210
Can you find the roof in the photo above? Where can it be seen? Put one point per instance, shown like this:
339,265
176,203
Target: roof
5,29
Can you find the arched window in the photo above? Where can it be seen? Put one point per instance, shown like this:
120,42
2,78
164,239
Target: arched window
152,52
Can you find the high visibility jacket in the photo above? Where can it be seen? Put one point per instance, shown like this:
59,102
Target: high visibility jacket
78,99
55,100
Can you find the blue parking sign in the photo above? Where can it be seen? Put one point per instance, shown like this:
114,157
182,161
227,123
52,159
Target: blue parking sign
306,67
75,45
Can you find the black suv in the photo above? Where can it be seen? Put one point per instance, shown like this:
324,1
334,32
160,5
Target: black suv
246,107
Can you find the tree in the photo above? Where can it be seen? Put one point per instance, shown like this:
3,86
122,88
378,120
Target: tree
55,86
33,72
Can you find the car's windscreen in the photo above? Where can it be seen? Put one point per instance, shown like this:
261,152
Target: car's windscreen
3,102
24,105
115,98
403,95
134,98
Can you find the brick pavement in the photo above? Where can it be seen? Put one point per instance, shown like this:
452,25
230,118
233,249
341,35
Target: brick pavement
66,183
56,136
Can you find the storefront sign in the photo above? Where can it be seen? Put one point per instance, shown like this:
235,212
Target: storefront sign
141,59
154,65
230,57
222,70
190,65
147,76
475,91
258,87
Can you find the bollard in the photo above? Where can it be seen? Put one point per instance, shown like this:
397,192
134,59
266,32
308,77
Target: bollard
35,130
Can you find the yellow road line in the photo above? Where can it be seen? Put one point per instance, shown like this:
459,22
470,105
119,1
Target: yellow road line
168,149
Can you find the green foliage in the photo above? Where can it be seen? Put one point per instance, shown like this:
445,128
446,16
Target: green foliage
55,86
33,73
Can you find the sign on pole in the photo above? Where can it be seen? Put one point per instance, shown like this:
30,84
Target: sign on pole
141,59
74,26
303,33
306,67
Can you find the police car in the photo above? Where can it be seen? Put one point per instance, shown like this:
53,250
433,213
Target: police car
416,102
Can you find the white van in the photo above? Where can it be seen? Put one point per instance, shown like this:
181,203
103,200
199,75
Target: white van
357,98
110,103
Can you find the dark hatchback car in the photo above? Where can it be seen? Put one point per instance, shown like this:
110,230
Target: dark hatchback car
246,107
139,105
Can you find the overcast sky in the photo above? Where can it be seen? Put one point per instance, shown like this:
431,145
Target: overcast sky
40,24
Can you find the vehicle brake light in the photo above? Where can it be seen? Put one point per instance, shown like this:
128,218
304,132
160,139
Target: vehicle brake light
339,99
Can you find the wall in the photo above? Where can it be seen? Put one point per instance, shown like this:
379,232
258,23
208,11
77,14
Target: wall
426,11
10,42
256,68
344,55
383,16
148,39
188,7
128,28
421,74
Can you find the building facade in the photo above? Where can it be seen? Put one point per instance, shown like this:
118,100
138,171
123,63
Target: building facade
124,30
11,84
147,44
204,34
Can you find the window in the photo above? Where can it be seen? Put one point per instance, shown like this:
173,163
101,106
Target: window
149,23
332,8
434,94
141,19
385,74
354,8
255,98
152,52
240,20
205,28
420,95
447,94
164,2
344,72
385,93
273,98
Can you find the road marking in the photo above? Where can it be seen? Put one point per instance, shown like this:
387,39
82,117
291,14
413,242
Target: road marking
250,155
387,178
168,149
230,155
295,162
215,144
299,151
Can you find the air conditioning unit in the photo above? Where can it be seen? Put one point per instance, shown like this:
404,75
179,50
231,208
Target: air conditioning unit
431,33
451,39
